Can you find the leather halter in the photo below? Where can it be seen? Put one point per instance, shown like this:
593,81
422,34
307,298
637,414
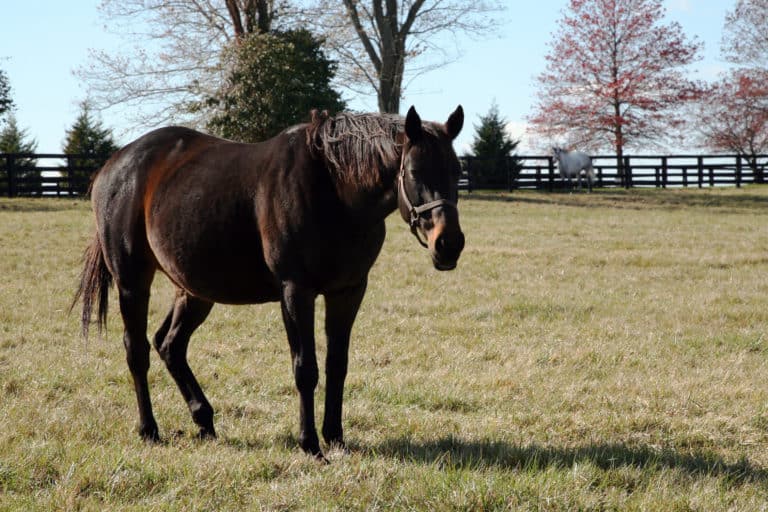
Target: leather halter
417,211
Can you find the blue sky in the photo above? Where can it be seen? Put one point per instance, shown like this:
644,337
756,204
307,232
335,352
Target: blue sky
42,42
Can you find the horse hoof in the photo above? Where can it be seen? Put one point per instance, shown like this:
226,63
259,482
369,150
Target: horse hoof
149,433
207,433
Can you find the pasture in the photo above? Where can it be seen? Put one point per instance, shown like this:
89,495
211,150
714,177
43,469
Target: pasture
603,351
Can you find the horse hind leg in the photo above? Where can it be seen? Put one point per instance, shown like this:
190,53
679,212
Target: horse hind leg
134,305
171,342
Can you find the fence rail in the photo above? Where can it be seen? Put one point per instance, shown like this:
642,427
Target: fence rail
659,171
49,174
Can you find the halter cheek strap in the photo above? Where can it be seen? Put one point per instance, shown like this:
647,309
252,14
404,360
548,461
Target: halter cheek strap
416,211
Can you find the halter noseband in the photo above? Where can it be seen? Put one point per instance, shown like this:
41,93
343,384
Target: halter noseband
416,211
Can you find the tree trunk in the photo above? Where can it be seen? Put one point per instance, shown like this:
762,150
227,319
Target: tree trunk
757,170
256,13
619,141
390,82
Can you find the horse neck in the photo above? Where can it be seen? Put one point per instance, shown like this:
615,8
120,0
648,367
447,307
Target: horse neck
370,203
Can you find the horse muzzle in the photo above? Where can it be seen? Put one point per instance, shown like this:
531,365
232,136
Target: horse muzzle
445,246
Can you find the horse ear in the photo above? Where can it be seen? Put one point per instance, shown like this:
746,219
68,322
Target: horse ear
455,122
413,125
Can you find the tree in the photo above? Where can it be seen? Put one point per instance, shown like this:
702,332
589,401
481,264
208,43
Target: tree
733,115
175,62
15,140
276,79
614,76
492,149
745,38
6,104
376,40
93,144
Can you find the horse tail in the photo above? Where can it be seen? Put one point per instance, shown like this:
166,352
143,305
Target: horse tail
95,281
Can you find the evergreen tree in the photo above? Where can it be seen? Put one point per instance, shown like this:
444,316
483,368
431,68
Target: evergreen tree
492,149
5,94
16,140
91,142
276,80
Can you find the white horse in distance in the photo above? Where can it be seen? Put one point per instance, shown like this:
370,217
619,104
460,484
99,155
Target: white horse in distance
574,164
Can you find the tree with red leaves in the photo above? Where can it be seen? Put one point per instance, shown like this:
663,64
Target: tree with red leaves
745,35
733,115
614,76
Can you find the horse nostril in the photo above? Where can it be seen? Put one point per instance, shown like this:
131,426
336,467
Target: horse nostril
449,245
440,243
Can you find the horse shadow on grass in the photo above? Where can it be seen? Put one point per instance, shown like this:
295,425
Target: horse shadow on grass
459,454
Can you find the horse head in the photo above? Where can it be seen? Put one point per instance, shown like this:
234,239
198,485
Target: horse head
428,186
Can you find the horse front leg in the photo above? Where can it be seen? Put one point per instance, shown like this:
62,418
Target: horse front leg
340,312
298,308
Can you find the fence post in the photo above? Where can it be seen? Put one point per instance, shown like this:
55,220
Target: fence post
700,170
10,169
627,173
470,176
738,171
551,180
664,172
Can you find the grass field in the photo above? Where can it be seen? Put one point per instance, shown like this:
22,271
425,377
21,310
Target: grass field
595,352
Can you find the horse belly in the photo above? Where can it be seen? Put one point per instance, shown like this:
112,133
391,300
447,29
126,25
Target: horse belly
228,281
215,257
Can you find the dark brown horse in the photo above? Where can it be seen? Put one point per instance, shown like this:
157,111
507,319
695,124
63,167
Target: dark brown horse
297,216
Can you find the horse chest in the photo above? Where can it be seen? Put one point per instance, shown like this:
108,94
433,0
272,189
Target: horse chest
344,258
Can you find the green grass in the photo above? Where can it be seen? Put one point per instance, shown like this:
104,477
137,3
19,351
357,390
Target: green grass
595,352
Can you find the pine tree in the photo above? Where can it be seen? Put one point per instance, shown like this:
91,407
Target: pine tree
15,140
6,103
492,148
91,142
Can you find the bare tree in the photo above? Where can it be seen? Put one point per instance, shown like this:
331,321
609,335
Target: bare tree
381,44
171,56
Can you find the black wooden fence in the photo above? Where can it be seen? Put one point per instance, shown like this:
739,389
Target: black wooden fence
540,172
27,174
69,175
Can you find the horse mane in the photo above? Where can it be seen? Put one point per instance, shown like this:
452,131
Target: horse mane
356,147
